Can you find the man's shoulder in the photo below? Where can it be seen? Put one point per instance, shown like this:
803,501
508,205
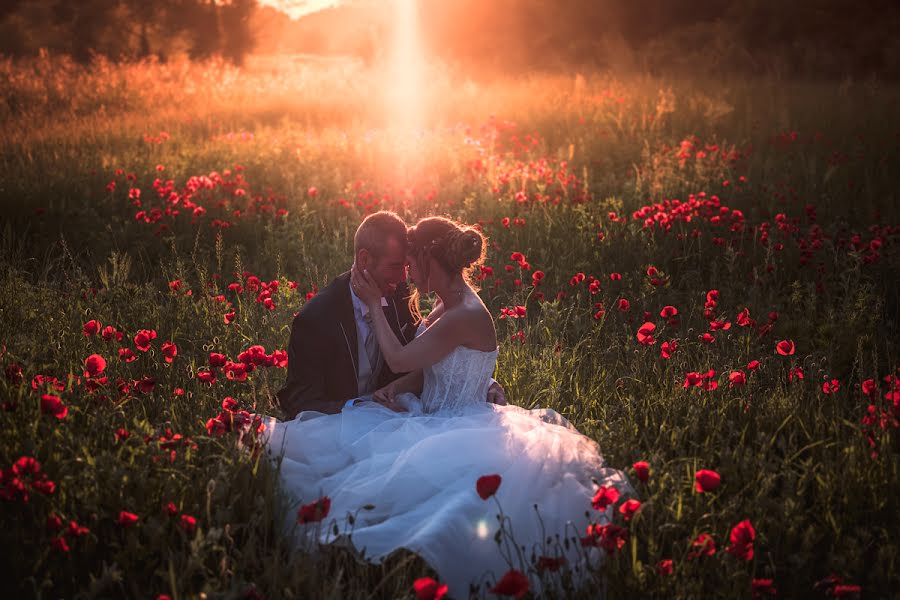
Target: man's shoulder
325,303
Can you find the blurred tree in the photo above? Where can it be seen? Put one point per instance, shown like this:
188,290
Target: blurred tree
237,38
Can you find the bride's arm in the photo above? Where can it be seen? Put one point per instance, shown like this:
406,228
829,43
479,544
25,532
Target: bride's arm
411,383
450,331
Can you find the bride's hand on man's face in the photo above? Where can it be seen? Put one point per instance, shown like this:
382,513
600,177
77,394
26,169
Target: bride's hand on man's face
364,285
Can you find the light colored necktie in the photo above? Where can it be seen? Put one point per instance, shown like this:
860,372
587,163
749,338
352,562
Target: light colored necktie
372,351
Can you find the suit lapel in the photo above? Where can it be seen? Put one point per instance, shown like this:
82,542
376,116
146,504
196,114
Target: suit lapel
347,323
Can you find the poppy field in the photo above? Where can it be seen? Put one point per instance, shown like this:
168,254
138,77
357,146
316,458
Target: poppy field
702,276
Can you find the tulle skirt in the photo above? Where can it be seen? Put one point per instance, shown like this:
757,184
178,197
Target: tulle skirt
409,481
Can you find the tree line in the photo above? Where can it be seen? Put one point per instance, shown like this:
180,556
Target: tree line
827,38
128,29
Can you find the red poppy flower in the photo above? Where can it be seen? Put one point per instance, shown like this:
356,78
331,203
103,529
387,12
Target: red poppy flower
615,276
830,387
127,355
795,372
668,312
642,470
706,481
692,379
629,508
664,567
170,351
427,588
705,546
171,509
76,530
513,583
743,318
487,485
550,563
667,349
604,497
762,587
91,328
145,384
753,365
279,359
785,347
127,519
736,379
314,511
217,360
645,334
59,543
742,536
843,589
706,338
54,523
143,338
869,388
624,305
206,376
52,405
188,524
94,365
109,333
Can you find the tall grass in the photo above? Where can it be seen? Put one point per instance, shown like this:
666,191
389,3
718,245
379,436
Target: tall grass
809,164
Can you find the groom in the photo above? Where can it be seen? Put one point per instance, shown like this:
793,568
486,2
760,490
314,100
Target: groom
333,356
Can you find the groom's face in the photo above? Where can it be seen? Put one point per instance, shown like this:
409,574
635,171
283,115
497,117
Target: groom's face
389,269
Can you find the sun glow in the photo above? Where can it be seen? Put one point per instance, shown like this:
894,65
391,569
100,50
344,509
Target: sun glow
297,8
405,69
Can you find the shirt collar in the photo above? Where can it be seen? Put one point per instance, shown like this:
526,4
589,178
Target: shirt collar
360,307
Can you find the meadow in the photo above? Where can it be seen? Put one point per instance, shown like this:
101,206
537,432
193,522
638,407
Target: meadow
700,274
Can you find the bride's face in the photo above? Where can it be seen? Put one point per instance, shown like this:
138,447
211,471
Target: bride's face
415,273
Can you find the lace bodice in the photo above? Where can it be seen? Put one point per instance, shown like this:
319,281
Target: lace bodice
458,380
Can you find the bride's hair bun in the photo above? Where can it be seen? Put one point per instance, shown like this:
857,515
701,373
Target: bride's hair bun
456,247
463,248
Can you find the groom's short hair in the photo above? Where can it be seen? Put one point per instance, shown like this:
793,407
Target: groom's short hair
375,231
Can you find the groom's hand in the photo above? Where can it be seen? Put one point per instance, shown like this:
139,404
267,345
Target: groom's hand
496,395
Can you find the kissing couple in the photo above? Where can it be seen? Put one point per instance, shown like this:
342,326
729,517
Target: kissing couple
398,413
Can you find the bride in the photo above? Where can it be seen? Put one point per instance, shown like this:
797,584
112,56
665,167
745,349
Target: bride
413,453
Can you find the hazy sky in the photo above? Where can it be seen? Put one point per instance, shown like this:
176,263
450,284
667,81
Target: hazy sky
298,8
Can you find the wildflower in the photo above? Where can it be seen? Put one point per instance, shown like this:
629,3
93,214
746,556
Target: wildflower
91,328
629,508
830,387
664,567
487,485
314,511
188,524
94,365
645,334
705,546
642,470
604,497
785,347
742,536
513,583
736,379
427,588
143,338
667,349
706,481
126,519
52,405
170,351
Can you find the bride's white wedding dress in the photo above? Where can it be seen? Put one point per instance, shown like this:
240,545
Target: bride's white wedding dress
419,471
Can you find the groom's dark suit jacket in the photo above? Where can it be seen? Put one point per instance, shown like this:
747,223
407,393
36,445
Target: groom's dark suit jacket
322,354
